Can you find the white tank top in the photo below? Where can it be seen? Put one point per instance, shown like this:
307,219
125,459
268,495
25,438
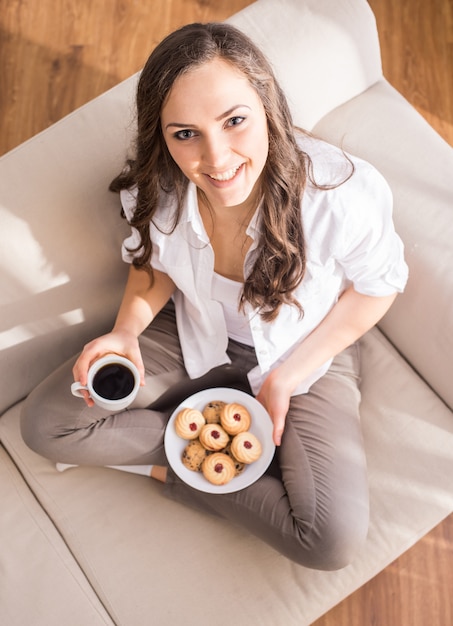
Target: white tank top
227,292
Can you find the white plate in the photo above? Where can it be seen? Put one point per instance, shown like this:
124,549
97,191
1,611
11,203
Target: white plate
261,427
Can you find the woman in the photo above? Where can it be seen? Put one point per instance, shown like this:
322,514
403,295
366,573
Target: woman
259,256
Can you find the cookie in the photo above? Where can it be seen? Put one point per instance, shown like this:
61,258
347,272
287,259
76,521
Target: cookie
218,468
235,418
212,411
188,423
213,437
193,455
246,447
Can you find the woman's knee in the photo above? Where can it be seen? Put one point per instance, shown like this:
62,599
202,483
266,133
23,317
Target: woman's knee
44,415
334,544
36,427
31,430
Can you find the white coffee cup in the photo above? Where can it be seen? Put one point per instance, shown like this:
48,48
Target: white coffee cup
113,382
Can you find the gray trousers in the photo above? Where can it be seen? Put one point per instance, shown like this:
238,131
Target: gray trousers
312,503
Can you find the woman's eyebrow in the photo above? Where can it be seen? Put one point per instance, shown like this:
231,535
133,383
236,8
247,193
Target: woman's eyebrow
230,111
217,119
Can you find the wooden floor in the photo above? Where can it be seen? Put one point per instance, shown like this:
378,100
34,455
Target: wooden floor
57,54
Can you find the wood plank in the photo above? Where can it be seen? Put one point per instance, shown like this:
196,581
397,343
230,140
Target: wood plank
55,55
415,590
416,40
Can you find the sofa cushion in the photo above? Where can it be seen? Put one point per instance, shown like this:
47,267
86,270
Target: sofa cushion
382,127
148,556
40,581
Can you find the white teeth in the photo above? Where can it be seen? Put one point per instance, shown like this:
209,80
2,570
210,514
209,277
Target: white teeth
228,175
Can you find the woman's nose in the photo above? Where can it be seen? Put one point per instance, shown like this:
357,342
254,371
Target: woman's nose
215,151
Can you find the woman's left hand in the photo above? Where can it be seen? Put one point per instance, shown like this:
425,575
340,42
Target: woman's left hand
349,319
275,396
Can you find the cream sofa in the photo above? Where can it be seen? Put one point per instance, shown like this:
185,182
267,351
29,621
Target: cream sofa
95,546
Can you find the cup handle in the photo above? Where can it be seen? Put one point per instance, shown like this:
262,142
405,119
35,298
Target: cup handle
77,388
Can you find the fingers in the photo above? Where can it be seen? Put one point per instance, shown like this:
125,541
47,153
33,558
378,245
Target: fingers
82,365
87,398
117,343
279,427
277,410
276,402
90,353
136,357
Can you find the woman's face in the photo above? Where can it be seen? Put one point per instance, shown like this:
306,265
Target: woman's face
215,128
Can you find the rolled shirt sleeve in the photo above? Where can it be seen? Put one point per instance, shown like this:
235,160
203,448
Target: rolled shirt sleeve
369,250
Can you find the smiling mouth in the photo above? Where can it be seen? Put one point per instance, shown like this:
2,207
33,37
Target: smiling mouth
225,176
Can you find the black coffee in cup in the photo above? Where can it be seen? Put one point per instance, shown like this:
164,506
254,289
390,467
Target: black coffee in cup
113,381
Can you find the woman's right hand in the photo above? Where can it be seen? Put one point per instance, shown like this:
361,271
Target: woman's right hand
116,342
141,302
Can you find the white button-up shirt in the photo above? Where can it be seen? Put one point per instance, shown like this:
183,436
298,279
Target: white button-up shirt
350,240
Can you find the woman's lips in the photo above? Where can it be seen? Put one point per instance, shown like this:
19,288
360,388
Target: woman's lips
223,179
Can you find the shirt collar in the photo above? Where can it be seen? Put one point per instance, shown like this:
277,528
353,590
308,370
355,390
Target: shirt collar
254,227
191,215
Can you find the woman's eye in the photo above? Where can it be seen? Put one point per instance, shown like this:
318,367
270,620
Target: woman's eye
184,134
235,121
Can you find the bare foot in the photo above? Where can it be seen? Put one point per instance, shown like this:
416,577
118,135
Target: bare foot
159,473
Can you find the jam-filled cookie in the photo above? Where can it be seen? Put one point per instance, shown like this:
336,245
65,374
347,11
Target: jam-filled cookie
235,418
246,447
213,437
188,423
218,468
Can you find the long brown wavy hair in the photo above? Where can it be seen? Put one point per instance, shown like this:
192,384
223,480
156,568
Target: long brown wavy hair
280,263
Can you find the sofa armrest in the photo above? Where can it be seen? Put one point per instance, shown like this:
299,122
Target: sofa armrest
60,260
382,127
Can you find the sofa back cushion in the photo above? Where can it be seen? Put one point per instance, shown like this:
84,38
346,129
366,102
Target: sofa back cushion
324,52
